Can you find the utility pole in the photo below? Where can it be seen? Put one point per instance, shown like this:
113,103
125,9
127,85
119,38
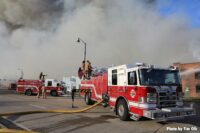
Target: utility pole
79,41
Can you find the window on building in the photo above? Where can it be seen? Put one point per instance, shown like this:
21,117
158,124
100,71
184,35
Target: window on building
114,77
132,78
197,75
197,88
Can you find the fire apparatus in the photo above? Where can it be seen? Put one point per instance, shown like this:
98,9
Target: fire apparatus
138,91
29,87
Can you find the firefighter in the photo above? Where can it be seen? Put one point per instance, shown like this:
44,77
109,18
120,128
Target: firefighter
44,95
39,91
83,69
80,73
73,95
89,69
42,89
86,68
83,66
40,77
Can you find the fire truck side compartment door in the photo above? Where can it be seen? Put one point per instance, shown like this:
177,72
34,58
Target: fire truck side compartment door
121,77
122,80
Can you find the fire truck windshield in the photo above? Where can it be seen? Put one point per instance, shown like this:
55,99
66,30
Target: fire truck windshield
159,77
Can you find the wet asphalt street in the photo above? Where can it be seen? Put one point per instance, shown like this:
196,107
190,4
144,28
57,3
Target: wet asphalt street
97,120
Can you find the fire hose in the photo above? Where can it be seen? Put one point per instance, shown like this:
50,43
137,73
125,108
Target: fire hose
42,111
14,131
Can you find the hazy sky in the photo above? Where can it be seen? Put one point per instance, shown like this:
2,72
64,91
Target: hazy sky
40,35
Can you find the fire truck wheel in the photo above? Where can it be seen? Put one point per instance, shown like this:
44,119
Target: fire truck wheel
122,110
54,93
28,92
88,99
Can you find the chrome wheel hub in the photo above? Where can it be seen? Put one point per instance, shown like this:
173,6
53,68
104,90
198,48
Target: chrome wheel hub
121,110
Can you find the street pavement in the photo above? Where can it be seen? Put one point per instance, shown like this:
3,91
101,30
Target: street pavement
97,120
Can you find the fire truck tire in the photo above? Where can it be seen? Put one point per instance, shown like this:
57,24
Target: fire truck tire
88,99
122,110
28,92
54,93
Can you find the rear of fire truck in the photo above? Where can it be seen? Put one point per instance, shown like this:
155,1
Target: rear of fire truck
28,87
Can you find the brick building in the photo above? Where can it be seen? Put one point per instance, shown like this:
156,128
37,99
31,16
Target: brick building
190,78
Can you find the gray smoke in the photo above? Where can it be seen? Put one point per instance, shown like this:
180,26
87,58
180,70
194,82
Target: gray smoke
40,35
190,71
35,14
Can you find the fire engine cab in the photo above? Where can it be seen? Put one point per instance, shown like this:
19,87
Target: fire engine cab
138,91
29,87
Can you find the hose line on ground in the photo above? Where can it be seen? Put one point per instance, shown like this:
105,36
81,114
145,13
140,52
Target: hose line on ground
4,130
51,111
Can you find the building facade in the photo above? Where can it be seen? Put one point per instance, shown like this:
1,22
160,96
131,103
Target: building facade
190,78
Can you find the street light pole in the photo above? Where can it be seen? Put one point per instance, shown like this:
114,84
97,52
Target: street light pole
80,40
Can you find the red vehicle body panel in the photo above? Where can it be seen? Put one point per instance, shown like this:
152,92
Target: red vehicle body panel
34,85
99,85
122,89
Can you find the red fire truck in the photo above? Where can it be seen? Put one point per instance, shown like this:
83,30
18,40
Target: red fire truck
138,91
29,87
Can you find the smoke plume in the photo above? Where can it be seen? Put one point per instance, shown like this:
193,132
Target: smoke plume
40,35
190,71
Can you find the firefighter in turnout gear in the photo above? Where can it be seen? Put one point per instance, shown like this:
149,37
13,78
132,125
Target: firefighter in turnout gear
86,69
44,91
73,95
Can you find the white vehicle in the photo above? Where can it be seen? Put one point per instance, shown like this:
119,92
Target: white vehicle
71,83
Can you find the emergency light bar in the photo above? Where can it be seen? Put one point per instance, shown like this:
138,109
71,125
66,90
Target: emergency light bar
140,64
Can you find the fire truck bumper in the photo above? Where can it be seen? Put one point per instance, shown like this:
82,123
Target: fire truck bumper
60,93
168,113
